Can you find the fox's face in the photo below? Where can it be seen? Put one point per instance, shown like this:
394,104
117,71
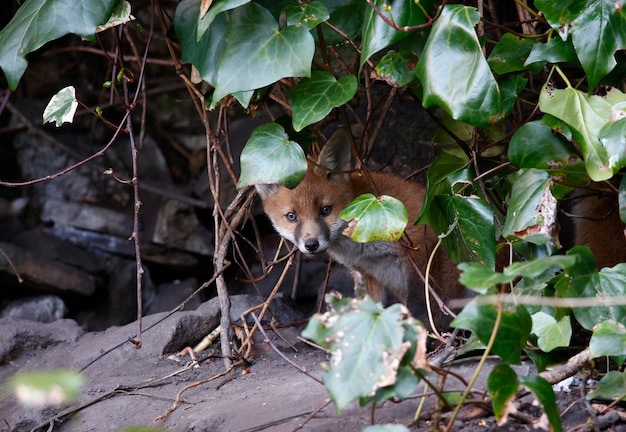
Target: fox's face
308,215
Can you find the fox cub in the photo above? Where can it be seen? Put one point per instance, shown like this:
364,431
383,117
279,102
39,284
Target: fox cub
308,216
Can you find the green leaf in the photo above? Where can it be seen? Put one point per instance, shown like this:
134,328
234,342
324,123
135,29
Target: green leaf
371,219
43,388
598,32
256,53
270,157
554,51
205,53
534,145
608,339
454,72
62,107
550,333
473,237
587,115
308,15
611,386
38,22
315,97
621,199
367,347
545,396
531,215
510,54
378,35
502,385
584,281
512,332
396,69
216,8
560,15
480,278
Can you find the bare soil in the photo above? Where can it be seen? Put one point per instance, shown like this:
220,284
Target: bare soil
142,387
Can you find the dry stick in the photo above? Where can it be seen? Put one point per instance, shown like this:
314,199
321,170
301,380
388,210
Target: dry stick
264,306
6,257
179,395
172,312
283,356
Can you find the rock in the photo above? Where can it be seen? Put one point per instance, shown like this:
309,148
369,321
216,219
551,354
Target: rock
17,336
44,273
45,309
170,295
178,226
87,217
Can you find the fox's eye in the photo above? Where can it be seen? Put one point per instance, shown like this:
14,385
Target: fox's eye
292,217
326,210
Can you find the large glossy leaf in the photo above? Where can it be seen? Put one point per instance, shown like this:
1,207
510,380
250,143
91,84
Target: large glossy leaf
308,15
371,218
608,339
554,51
584,281
502,385
216,8
474,236
545,396
534,145
205,53
367,347
378,35
38,22
313,98
512,333
611,386
510,53
531,215
454,72
257,53
270,157
551,334
597,29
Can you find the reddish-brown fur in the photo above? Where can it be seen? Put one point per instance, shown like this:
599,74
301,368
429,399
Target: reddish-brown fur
308,216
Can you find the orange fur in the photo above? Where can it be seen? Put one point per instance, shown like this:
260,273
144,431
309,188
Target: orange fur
308,216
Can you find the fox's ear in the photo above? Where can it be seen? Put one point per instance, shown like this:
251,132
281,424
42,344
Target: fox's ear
265,190
335,154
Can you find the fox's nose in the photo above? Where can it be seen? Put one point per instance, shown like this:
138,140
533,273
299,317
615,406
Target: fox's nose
311,245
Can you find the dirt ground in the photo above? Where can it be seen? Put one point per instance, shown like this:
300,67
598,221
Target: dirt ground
138,387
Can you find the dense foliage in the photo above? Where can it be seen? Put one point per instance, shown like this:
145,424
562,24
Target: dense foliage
532,108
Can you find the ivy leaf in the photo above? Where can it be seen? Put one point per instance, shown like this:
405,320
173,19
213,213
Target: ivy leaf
545,396
531,215
534,145
551,333
257,53
308,15
315,97
611,386
270,157
62,107
608,339
512,332
43,388
584,281
510,53
502,385
474,235
554,51
216,8
454,72
598,32
372,219
366,343
38,22
396,69
377,34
